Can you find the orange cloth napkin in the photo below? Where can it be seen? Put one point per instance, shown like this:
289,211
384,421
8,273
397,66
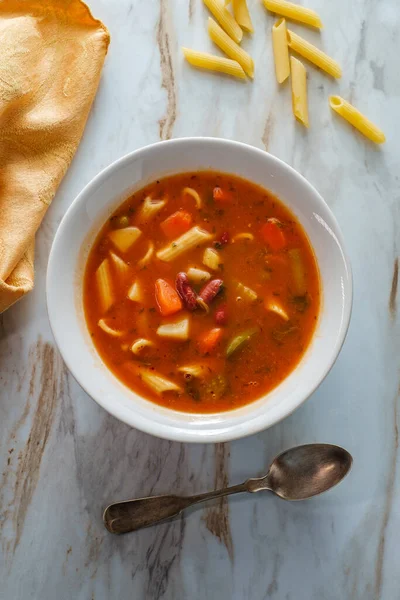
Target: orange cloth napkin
51,56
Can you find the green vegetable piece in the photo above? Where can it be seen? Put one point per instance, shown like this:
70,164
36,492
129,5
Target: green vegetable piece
301,302
279,333
123,221
298,271
217,387
240,340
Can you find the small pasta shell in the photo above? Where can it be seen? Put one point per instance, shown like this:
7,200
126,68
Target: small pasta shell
139,345
195,195
107,329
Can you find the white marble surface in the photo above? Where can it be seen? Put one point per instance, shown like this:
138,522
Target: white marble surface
62,457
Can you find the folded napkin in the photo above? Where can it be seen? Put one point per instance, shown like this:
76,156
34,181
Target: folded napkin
51,56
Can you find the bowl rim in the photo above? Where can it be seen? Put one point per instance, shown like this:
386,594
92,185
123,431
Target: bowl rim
253,424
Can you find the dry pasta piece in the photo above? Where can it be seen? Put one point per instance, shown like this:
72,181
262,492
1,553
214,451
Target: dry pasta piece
313,54
188,191
357,119
281,50
225,19
294,12
149,209
242,15
212,62
299,91
227,45
104,285
184,243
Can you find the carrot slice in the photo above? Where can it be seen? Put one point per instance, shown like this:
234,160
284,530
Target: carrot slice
273,235
208,341
167,298
222,196
176,224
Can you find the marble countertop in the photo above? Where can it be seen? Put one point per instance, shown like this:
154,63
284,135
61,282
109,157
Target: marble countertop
62,458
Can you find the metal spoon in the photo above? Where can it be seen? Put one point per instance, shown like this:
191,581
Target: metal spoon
296,474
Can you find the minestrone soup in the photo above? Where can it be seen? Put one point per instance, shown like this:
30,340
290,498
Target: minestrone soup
201,292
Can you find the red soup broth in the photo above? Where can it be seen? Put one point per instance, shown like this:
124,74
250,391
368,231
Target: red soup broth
201,292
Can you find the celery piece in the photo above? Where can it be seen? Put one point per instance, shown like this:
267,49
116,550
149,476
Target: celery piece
298,272
240,340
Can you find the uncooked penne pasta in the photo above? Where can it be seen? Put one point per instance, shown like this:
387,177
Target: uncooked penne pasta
299,90
281,50
225,19
211,62
357,119
104,285
182,244
242,15
227,45
149,209
294,12
313,54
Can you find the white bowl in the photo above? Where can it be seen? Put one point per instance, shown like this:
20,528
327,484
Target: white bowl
100,198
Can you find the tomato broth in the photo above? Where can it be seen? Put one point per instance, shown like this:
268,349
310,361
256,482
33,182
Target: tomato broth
201,292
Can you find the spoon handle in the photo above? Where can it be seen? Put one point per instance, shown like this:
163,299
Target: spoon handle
123,517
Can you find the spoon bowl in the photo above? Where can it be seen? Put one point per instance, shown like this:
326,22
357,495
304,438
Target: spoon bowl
309,470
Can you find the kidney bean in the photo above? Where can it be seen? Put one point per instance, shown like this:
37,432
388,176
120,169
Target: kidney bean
221,315
185,291
210,290
222,240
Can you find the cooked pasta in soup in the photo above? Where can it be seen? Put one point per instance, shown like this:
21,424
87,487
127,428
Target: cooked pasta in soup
201,292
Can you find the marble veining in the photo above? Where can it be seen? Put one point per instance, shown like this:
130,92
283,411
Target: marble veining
63,458
393,289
